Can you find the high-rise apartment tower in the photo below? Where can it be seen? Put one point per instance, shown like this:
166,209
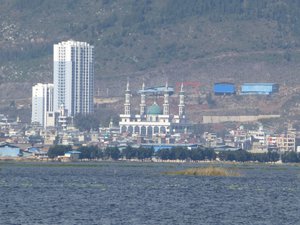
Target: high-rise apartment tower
42,105
73,72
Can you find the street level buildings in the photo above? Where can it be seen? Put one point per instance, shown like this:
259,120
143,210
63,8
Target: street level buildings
42,105
73,71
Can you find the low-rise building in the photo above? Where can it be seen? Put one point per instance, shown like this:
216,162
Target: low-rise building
8,150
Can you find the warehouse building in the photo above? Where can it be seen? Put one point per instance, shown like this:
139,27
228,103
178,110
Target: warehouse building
224,89
259,88
8,150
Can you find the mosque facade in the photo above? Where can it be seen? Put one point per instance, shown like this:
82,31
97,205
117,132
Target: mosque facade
155,119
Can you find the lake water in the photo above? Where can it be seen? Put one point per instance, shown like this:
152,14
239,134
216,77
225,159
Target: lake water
138,193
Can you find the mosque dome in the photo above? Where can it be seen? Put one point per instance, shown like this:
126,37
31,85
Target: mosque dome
154,109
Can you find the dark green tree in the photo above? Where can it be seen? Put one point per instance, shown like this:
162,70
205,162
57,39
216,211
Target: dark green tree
112,152
273,156
242,155
145,153
58,150
290,157
129,152
196,154
209,154
164,154
86,122
90,152
180,153
259,157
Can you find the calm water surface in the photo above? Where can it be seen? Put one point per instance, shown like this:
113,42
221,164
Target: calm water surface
138,193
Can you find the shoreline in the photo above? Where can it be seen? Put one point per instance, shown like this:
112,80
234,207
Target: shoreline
83,161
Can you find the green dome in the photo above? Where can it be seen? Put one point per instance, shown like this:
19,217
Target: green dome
154,109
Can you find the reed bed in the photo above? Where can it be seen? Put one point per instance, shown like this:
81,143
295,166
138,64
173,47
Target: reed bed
206,171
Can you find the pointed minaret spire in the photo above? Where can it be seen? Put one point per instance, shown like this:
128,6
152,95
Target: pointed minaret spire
143,100
181,105
127,100
127,86
166,106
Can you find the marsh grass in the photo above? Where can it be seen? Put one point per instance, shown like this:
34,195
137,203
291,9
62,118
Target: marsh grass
206,171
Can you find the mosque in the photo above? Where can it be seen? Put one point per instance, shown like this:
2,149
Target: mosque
153,120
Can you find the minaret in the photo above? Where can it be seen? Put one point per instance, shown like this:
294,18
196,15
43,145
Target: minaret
143,101
166,101
181,105
127,100
111,123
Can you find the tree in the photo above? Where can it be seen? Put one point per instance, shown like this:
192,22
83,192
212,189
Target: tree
209,154
112,152
145,153
129,152
227,156
210,101
273,156
180,153
164,154
259,157
196,154
242,155
291,157
58,150
86,122
90,152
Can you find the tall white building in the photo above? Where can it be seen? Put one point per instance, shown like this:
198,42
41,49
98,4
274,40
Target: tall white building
74,77
42,104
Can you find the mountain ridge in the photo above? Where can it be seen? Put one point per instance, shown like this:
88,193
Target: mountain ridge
131,36
154,41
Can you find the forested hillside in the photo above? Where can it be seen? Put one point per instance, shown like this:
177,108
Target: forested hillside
179,39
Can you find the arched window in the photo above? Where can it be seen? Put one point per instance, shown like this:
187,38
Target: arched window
143,131
149,131
123,129
130,129
136,129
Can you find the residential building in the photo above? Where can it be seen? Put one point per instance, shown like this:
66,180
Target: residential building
284,142
73,72
42,105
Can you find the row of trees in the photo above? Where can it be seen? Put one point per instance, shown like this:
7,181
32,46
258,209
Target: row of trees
93,152
176,153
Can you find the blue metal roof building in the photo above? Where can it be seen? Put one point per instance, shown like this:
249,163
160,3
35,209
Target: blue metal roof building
8,150
224,88
259,88
158,147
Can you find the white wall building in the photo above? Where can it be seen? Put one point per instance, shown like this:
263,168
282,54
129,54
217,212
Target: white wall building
73,72
42,104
